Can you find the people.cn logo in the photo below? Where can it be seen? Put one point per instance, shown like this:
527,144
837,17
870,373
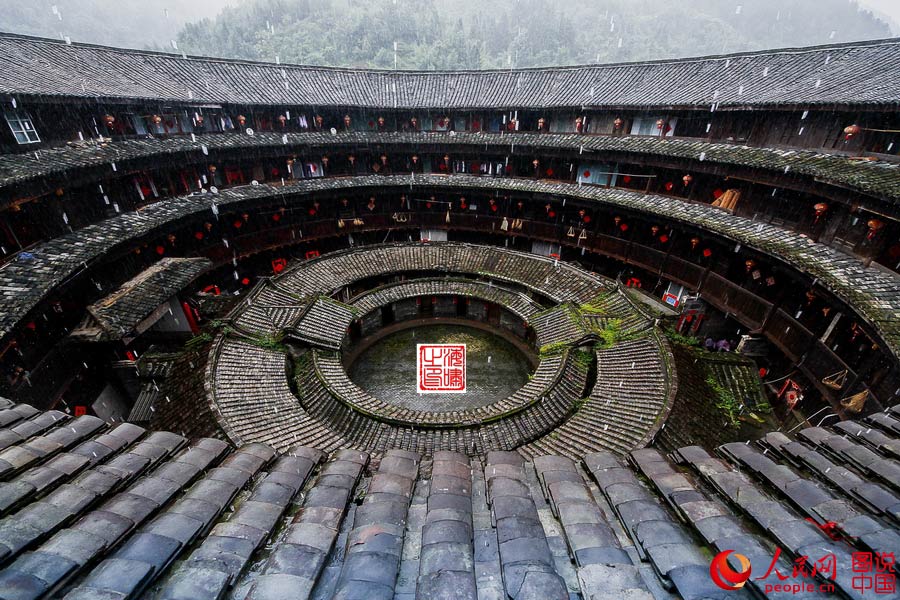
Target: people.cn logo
724,576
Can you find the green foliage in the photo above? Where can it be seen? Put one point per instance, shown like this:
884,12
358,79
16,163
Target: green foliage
553,349
725,401
268,341
198,341
684,340
610,334
468,34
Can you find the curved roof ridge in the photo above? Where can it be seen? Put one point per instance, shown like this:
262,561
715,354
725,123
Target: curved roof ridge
377,71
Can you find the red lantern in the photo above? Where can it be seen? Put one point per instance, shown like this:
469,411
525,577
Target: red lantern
624,226
821,208
156,119
312,212
552,214
278,265
282,119
707,252
586,174
199,235
851,130
245,281
160,250
717,192
687,179
660,123
875,226
579,125
242,120
663,238
276,217
238,223
617,124
550,172
428,205
694,243
587,218
669,185
626,179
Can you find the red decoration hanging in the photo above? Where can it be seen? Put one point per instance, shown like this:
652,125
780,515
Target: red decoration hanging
663,238
626,178
278,265
586,174
552,214
717,192
160,250
707,252
669,185
198,235
587,218
238,223
276,217
624,226
245,281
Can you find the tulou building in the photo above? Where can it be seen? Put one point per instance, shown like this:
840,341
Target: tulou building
618,331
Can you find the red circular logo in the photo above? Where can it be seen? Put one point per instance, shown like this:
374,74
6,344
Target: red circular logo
724,576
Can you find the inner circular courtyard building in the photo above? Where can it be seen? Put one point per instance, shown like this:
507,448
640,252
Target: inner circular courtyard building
274,332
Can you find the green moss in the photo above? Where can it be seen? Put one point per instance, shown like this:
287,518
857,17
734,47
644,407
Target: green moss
268,341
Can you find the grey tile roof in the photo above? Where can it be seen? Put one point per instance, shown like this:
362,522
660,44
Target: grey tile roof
854,73
117,315
874,177
874,293
117,511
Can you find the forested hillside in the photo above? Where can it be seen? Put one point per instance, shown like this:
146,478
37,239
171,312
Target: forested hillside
437,34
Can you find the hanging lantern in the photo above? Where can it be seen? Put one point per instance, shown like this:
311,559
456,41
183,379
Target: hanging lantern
109,120
875,226
626,179
695,241
276,217
347,121
198,119
624,227
707,252
282,119
245,281
687,179
669,185
171,238
579,124
851,130
198,235
160,250
242,120
383,159
207,226
541,123
749,264
663,239
821,208
660,123
536,163
381,122
156,119
212,168
59,192
238,223
654,230
617,220
617,124
325,160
